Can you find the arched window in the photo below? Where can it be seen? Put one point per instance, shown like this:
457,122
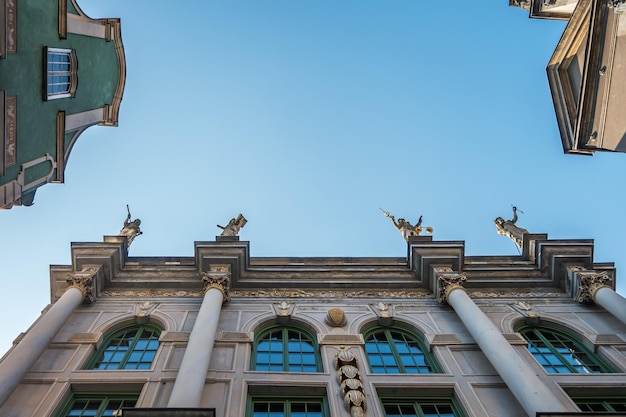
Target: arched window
395,351
129,348
560,353
285,349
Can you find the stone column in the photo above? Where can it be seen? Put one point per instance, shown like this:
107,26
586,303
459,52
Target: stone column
592,286
18,362
531,392
187,391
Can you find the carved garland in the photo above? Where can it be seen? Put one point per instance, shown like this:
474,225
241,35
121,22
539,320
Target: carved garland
351,386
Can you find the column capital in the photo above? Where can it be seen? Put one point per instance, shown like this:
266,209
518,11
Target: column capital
84,281
446,281
218,277
587,283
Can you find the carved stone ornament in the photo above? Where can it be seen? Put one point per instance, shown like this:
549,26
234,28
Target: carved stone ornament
143,310
588,283
447,281
217,277
350,379
284,309
84,282
336,317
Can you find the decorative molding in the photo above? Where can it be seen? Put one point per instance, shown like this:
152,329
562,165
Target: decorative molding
515,292
217,277
84,281
152,293
10,132
11,26
330,294
447,281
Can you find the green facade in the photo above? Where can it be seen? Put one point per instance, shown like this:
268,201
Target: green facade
50,126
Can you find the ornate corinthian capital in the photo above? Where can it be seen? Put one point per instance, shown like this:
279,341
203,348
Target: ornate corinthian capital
217,277
84,281
447,280
588,283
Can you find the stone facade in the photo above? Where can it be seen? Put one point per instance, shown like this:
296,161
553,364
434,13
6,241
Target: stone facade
339,302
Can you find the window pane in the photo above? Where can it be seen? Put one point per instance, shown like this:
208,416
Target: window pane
559,353
133,348
395,352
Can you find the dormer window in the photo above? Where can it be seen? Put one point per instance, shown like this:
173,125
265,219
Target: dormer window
61,79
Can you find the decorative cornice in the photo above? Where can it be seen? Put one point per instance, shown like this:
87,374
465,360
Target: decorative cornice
84,281
447,281
217,277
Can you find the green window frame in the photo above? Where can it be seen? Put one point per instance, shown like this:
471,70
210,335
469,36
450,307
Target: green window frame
130,348
285,349
97,404
420,407
306,406
397,351
602,405
560,353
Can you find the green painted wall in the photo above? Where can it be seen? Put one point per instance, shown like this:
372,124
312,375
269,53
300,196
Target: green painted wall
22,74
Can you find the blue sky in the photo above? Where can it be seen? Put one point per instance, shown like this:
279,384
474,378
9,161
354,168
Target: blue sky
306,117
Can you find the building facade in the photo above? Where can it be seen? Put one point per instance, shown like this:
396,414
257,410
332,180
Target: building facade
60,72
587,72
221,333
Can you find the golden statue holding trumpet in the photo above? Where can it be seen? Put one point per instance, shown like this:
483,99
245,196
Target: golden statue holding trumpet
406,228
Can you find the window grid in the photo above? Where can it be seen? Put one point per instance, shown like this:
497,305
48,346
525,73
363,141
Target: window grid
98,405
313,407
419,408
285,350
559,353
393,352
128,349
59,72
601,405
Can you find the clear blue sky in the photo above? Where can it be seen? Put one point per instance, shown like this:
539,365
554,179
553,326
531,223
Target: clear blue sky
306,116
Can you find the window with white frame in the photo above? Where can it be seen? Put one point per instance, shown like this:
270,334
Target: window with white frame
61,79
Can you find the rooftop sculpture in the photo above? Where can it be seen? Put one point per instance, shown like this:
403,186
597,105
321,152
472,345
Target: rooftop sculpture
406,228
509,229
131,228
233,226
